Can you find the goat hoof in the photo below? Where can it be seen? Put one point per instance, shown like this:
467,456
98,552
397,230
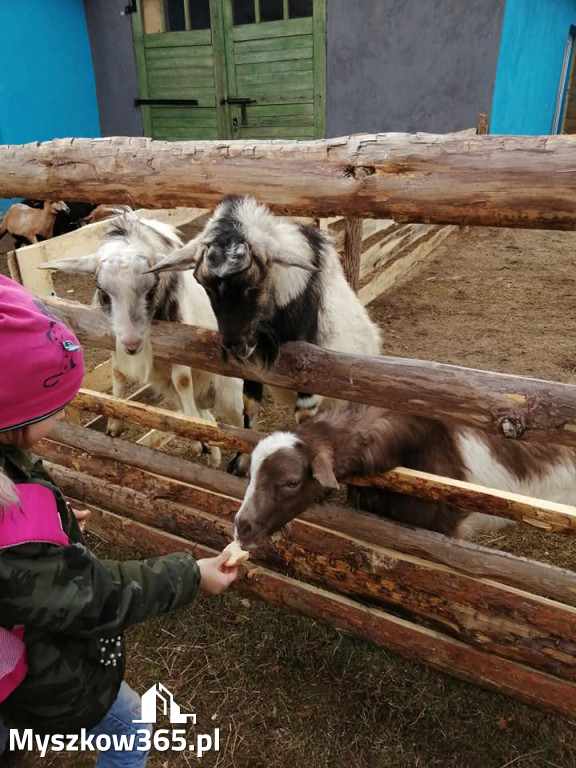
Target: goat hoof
115,427
239,465
305,415
196,448
214,458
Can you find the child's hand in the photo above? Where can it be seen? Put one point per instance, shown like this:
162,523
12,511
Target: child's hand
81,516
214,576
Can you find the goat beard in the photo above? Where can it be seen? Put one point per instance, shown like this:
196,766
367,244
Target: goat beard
267,348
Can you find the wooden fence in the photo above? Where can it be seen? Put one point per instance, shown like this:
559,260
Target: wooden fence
480,614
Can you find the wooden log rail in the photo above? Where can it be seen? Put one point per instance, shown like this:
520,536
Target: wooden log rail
509,622
546,515
512,181
538,689
220,493
500,403
506,620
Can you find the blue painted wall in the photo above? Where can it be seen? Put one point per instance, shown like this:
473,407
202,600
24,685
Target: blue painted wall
534,36
47,88
46,78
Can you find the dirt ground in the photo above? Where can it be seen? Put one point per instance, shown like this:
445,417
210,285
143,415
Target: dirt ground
288,692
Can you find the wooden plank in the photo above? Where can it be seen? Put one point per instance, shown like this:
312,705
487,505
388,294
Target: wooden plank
258,111
278,29
124,465
155,439
173,39
418,643
515,406
164,57
99,378
487,615
286,132
160,419
353,252
13,268
206,97
381,247
402,265
174,122
178,134
140,57
262,45
116,449
284,121
284,80
220,73
269,67
320,66
282,56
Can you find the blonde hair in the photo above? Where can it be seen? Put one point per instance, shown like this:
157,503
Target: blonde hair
8,493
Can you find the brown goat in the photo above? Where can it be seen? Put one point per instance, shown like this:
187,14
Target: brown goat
290,470
22,221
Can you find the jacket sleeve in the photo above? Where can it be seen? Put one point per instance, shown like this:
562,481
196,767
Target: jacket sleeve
68,589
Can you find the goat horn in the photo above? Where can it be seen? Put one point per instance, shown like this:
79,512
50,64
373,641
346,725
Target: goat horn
182,259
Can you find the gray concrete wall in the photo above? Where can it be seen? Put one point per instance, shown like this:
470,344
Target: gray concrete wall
410,65
110,33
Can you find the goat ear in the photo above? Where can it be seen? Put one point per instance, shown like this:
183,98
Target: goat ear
184,258
82,265
293,260
323,468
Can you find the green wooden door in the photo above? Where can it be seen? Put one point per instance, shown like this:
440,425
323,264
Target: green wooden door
211,69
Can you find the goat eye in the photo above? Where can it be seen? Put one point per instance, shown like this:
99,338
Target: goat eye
103,298
292,483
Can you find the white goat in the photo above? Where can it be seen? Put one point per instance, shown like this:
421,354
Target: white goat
132,298
22,221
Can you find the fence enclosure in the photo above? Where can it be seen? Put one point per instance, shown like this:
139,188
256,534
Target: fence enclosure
480,614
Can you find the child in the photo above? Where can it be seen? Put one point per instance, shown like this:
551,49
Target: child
62,610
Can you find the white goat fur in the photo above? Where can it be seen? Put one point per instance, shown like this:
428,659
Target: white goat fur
120,266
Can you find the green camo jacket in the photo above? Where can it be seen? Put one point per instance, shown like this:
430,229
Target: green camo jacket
75,608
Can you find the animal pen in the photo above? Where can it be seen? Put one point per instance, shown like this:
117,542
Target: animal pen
483,615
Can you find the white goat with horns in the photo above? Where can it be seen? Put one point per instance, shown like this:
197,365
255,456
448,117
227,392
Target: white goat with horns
132,297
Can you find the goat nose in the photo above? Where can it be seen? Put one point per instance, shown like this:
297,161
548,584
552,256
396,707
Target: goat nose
244,529
132,347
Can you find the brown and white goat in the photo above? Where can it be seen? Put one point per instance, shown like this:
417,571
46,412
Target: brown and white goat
22,221
290,470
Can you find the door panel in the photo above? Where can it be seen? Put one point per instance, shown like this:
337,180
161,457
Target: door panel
251,80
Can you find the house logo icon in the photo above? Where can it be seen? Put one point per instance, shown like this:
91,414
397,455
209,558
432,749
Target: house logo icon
160,695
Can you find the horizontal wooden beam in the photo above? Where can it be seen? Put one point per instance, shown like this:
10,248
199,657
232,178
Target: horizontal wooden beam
429,647
515,406
488,615
180,424
512,181
219,493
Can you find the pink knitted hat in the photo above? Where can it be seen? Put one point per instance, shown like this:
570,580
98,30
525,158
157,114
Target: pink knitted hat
41,361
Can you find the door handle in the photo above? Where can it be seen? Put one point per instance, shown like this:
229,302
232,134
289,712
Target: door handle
241,102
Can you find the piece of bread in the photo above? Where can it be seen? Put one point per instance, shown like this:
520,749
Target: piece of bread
238,555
